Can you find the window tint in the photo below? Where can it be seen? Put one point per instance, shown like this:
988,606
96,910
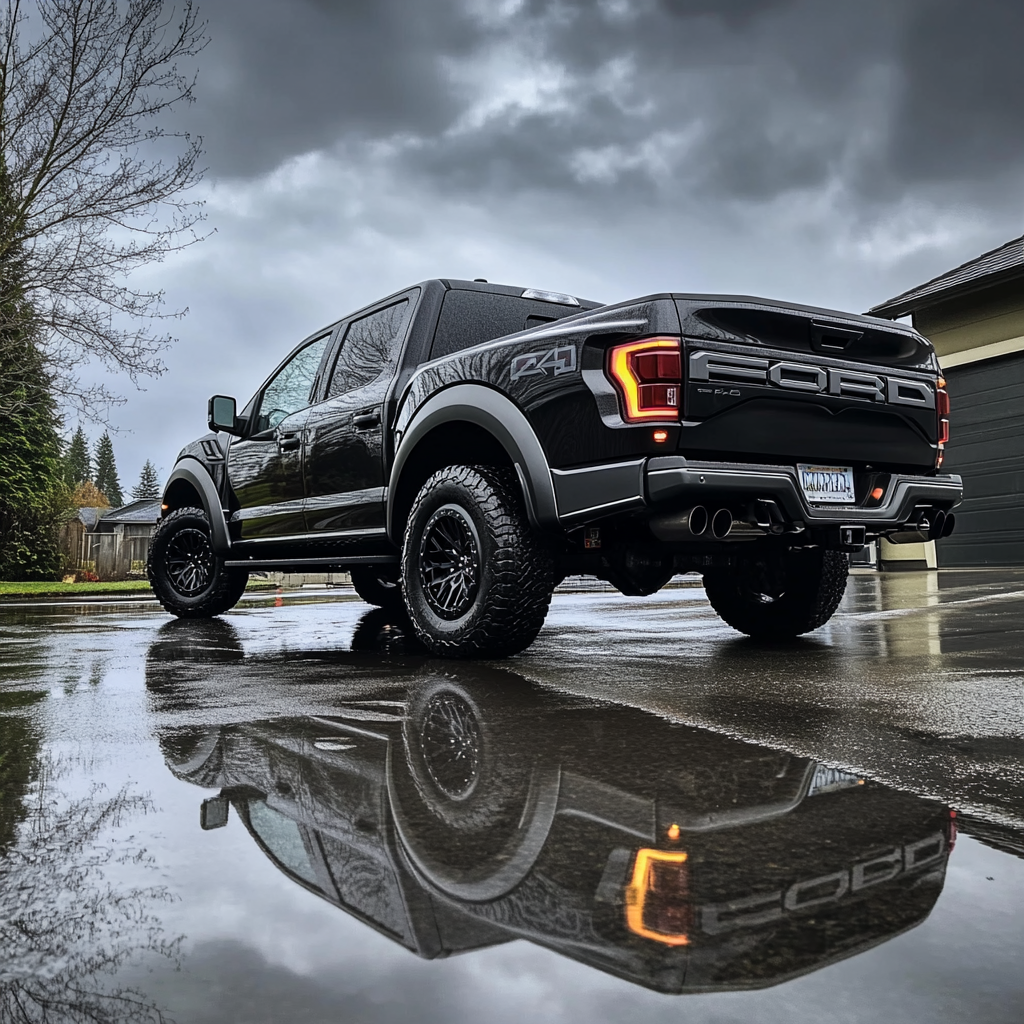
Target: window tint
469,318
290,389
370,348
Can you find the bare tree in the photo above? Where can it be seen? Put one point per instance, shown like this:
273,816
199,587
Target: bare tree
92,186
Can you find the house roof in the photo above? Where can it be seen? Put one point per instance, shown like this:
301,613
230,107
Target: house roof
145,510
90,516
1002,264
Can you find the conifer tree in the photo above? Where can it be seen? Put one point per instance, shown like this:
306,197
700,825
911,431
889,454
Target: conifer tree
77,463
149,484
33,496
106,471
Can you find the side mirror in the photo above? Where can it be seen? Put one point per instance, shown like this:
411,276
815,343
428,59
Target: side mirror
221,415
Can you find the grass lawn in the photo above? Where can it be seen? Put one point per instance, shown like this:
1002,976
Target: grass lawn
12,591
8,590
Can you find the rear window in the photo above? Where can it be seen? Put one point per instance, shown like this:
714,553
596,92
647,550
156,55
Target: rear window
469,318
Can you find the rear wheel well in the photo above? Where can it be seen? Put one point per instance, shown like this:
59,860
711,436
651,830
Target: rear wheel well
450,444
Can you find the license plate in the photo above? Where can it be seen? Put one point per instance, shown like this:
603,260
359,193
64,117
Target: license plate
827,483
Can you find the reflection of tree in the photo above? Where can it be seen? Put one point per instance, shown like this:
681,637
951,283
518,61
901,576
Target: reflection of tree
290,390
369,348
19,749
65,930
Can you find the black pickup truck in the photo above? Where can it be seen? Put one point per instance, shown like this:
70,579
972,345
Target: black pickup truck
460,447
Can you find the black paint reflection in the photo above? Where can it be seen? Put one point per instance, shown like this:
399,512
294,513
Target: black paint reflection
472,809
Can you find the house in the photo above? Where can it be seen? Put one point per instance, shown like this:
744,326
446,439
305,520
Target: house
974,316
112,541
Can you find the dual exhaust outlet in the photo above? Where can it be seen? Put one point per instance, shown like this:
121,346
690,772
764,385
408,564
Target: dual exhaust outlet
931,524
698,522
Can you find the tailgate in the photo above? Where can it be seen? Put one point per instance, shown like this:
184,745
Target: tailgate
790,382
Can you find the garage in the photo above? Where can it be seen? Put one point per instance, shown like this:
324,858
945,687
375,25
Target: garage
987,450
974,316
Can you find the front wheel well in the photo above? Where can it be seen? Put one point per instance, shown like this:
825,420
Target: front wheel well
450,444
181,494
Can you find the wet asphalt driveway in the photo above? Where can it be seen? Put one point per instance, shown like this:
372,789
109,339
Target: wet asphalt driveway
293,814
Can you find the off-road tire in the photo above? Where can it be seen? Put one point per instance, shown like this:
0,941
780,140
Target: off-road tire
779,594
380,585
502,608
472,801
217,587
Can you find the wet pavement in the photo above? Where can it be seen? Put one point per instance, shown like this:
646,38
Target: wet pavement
294,814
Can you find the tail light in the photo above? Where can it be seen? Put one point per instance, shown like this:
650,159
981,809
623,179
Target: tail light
942,413
649,378
658,897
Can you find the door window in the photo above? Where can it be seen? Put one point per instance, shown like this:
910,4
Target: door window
283,840
291,387
370,349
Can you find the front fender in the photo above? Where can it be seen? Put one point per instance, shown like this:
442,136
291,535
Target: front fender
504,420
193,472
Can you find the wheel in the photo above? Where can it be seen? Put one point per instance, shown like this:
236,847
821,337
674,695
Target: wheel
472,803
477,579
779,594
379,584
189,580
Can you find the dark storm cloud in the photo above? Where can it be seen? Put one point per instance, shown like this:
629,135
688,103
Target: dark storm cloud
962,110
280,78
728,98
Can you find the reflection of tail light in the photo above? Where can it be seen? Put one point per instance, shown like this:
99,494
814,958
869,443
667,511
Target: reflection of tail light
951,831
657,897
942,414
649,377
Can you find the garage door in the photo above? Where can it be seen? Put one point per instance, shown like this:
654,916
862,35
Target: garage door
987,449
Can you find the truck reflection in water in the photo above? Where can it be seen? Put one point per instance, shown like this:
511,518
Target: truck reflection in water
470,808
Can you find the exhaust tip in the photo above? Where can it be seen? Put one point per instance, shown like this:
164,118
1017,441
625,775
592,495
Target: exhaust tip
938,524
697,520
721,523
948,525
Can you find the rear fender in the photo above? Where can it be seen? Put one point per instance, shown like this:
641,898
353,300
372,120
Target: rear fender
504,420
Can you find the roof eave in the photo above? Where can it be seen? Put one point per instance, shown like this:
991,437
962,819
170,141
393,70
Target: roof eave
904,305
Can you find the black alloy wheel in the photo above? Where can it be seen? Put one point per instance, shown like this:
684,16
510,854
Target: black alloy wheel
449,562
189,579
189,562
450,743
477,579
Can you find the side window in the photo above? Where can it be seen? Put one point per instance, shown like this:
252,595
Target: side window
370,348
289,390
282,838
469,318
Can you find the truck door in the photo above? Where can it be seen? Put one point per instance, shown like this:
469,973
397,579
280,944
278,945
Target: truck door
265,466
344,442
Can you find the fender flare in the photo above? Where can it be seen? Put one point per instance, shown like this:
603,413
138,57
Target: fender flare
505,421
196,475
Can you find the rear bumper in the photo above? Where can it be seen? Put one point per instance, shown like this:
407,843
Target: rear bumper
673,481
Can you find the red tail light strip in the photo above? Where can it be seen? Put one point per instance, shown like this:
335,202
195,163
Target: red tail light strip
649,378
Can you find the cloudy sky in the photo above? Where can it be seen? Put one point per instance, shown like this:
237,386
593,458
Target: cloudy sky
833,153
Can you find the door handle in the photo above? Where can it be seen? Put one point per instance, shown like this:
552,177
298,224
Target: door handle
366,420
288,442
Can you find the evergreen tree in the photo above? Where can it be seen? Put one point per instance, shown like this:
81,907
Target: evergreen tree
33,498
149,484
77,464
106,471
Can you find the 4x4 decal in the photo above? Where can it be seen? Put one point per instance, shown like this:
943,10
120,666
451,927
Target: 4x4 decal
560,360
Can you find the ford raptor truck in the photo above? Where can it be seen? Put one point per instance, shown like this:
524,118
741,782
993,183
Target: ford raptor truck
460,447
